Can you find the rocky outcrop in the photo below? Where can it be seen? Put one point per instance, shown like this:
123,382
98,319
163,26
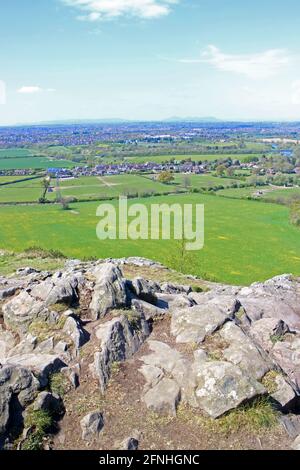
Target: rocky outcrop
216,351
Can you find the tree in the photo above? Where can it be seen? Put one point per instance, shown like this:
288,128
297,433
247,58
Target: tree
220,170
165,177
45,185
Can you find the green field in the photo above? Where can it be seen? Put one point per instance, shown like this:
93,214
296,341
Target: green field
112,186
268,193
197,158
33,163
205,181
15,153
245,241
85,188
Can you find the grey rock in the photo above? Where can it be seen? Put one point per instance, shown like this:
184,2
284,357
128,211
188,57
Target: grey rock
285,394
287,356
163,398
162,356
145,290
194,324
25,346
21,311
130,443
60,288
267,328
74,329
296,444
47,401
26,271
119,340
92,425
46,346
170,288
243,352
174,301
42,365
7,342
17,385
221,387
148,310
109,291
291,424
276,298
152,375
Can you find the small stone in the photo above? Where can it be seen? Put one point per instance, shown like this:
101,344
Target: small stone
91,425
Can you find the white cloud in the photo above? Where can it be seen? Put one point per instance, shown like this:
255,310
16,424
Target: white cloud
102,9
29,90
32,90
256,66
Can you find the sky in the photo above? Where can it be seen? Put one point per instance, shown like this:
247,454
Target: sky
149,59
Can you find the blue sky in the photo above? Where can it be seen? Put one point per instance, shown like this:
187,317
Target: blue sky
149,59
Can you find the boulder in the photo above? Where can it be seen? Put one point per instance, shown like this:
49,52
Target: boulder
109,292
221,387
7,342
25,346
60,288
284,394
287,355
92,425
49,402
148,310
73,328
277,298
169,288
163,398
119,340
296,444
131,443
42,365
194,324
18,389
243,352
21,311
145,290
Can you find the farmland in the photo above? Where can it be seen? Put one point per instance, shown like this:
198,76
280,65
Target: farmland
197,158
22,159
245,241
84,188
204,181
267,193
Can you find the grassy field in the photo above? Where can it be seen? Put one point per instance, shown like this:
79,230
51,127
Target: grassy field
205,181
268,193
15,153
197,158
85,188
111,186
31,162
245,241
